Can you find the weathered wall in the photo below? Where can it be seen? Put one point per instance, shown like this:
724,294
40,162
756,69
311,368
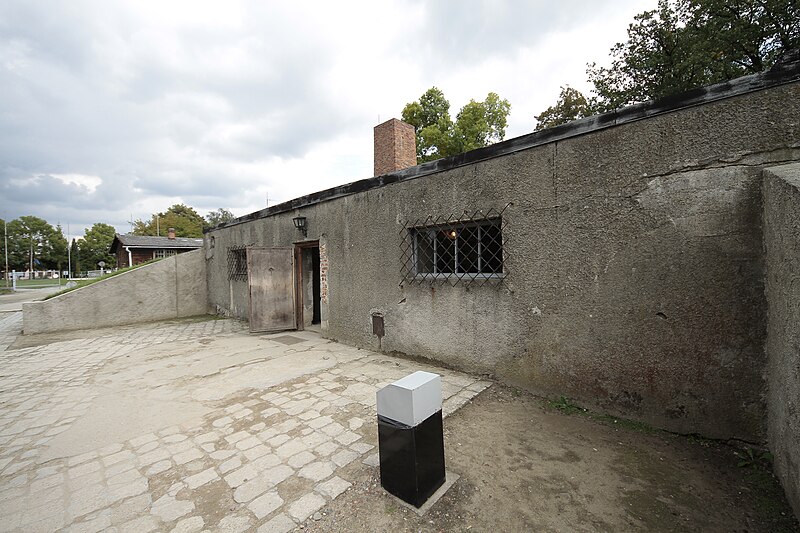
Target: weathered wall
634,265
173,287
782,245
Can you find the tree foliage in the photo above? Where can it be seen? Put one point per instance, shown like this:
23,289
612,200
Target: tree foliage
571,105
477,124
215,218
33,243
186,221
75,258
57,249
3,245
683,44
95,246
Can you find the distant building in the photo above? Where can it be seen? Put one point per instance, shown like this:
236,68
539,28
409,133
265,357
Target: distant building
134,249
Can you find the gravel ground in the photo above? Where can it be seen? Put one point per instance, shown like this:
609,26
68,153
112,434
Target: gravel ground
528,465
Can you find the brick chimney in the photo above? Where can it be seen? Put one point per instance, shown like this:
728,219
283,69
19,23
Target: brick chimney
171,233
395,146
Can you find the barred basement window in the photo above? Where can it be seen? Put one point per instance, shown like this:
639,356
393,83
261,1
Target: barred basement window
468,248
237,263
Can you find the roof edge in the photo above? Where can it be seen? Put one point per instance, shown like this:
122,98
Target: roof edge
779,74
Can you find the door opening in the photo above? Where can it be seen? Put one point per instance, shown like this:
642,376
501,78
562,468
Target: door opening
308,289
317,317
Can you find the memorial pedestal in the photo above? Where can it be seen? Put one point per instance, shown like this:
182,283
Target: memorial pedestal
411,437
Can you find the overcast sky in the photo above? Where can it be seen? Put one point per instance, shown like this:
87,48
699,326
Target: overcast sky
114,110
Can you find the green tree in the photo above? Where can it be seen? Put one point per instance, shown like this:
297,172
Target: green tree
186,221
55,254
215,218
477,124
96,244
684,44
75,258
571,105
18,246
3,249
34,244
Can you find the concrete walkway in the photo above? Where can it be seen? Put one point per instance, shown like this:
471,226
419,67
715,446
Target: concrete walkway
10,328
10,303
188,426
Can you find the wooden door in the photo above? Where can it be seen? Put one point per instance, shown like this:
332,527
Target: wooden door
270,277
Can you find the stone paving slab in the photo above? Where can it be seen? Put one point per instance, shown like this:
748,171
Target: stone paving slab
10,327
188,426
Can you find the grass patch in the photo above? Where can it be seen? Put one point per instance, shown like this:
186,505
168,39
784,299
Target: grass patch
41,282
566,406
752,458
85,282
765,490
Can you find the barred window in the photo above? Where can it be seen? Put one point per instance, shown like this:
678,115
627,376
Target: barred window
237,263
469,248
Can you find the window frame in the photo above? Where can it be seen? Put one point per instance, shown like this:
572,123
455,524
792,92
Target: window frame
163,253
237,263
415,233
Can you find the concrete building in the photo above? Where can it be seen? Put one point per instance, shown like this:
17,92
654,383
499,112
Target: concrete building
642,262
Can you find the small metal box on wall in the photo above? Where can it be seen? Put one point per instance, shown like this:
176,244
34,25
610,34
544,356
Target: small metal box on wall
411,437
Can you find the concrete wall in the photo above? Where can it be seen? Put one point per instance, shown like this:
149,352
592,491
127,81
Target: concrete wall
173,287
633,257
782,244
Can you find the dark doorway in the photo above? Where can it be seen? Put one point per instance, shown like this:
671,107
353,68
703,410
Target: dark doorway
308,284
317,318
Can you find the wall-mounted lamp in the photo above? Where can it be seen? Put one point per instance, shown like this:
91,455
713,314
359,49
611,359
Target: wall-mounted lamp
300,223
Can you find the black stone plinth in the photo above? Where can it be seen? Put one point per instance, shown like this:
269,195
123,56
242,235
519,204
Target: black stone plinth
412,458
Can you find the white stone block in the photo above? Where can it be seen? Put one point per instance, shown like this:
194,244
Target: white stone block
411,399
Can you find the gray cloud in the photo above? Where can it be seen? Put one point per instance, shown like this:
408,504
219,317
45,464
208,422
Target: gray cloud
468,31
167,103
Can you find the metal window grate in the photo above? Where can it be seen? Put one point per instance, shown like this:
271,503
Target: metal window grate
454,249
237,263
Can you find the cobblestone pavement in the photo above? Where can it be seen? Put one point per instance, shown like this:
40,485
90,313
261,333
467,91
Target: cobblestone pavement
188,426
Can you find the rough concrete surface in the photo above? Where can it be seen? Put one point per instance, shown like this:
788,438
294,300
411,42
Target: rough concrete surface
173,287
782,243
634,262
